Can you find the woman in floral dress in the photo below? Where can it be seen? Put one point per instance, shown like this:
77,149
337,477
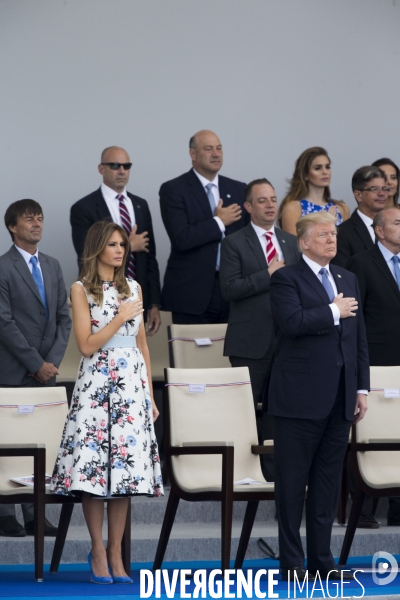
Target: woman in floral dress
108,448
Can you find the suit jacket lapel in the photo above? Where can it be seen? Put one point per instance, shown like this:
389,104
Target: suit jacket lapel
254,242
101,207
46,274
383,267
137,211
362,230
24,271
313,280
282,242
199,193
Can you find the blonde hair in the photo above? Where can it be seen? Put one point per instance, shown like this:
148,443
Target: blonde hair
308,222
298,187
96,240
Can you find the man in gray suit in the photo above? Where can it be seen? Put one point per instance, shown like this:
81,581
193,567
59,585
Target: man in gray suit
34,323
248,259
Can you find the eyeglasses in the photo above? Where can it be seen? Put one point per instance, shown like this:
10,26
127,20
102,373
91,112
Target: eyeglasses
117,166
376,188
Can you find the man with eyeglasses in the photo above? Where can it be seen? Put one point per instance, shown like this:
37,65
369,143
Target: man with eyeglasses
357,234
111,201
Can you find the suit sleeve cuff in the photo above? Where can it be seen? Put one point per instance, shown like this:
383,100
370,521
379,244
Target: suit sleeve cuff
365,392
220,224
335,313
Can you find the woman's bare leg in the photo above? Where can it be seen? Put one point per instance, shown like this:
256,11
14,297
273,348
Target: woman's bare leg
116,510
93,510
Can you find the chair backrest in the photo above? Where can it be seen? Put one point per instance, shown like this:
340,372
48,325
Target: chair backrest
158,347
223,412
380,424
43,426
68,368
185,353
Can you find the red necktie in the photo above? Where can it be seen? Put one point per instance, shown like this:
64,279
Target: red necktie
127,225
270,249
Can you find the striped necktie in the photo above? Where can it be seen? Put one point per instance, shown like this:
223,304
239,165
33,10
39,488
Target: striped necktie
127,225
270,249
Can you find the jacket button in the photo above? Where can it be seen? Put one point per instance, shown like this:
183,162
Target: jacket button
338,364
42,313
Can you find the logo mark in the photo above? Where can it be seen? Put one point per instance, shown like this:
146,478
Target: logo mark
385,565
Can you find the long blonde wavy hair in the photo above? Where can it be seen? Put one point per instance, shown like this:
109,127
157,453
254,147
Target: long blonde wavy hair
96,240
298,183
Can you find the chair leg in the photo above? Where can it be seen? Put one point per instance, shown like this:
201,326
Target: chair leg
126,541
169,518
226,507
352,525
248,523
344,493
375,505
63,525
39,512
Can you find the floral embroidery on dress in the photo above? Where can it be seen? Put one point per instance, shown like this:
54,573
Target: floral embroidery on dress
108,446
308,207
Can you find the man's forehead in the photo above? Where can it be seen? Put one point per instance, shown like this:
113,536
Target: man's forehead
27,215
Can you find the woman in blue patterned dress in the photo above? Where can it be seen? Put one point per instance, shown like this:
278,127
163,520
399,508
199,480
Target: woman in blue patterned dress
108,449
309,191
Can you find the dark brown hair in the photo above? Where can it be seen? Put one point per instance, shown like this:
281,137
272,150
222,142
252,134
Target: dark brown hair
249,187
95,242
19,209
387,161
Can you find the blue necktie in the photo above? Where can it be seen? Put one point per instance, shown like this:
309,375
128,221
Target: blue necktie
327,284
395,260
211,200
37,276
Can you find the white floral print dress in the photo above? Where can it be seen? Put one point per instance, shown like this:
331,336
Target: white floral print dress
108,446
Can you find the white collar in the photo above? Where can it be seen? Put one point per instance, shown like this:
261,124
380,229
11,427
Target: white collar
315,267
109,194
205,181
387,254
260,231
26,255
366,220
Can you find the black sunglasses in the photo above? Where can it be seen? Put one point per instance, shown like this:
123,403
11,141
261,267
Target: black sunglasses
117,166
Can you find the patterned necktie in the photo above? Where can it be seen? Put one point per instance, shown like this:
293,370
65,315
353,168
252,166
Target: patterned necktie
127,225
37,276
270,249
327,284
395,260
210,197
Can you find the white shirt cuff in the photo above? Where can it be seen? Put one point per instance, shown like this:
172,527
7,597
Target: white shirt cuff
220,224
335,313
365,392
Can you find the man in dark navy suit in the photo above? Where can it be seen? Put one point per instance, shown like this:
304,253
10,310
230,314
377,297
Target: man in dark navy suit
199,209
112,201
318,386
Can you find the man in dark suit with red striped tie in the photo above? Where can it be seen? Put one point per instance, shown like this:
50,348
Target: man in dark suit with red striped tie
112,201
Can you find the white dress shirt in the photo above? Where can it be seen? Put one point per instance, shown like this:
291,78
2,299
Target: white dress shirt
215,193
260,232
315,267
27,257
368,224
110,197
387,255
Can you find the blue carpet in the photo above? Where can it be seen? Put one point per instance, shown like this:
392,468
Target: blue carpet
73,581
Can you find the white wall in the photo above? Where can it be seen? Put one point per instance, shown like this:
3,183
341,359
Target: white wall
271,77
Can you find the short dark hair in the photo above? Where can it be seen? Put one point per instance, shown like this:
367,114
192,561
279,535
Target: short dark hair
364,175
249,187
192,142
18,209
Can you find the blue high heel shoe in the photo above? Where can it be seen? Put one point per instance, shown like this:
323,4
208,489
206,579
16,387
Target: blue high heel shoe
120,579
95,579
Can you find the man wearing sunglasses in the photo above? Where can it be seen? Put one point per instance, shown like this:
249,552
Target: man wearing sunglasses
357,234
112,201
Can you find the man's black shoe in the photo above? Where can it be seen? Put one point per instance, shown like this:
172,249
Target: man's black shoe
10,527
301,573
49,529
367,522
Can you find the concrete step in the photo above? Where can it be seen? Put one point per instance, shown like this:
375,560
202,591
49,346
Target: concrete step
194,541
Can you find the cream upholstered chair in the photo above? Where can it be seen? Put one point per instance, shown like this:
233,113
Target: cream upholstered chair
185,353
211,442
31,424
158,347
68,369
376,447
